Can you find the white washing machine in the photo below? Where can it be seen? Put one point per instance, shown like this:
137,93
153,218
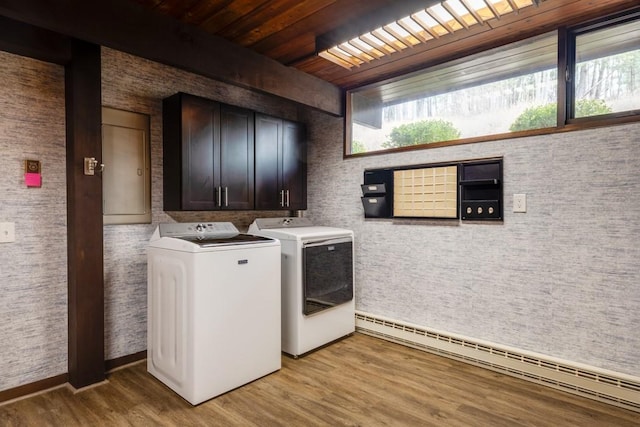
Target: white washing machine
213,308
318,304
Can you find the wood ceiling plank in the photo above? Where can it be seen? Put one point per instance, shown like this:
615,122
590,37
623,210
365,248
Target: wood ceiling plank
165,40
337,14
287,53
177,9
276,23
201,11
529,22
233,12
256,18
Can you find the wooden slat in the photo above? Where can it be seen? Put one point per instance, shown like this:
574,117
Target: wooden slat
347,47
514,6
410,30
371,50
493,9
275,28
472,11
441,22
366,22
529,22
457,17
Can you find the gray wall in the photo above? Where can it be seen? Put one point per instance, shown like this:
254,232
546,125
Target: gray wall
134,84
561,280
33,270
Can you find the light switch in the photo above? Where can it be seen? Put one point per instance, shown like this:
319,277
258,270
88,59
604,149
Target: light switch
519,202
7,232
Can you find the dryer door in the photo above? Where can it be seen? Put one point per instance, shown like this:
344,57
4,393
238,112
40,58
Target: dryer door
327,274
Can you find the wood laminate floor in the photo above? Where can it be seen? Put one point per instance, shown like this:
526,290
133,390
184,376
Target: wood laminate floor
358,381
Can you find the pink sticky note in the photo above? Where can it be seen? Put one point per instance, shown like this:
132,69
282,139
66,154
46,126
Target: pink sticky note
33,179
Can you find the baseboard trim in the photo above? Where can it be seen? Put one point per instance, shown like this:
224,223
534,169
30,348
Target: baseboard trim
48,384
33,388
121,362
606,386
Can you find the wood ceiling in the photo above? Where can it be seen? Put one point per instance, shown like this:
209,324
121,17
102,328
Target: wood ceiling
287,30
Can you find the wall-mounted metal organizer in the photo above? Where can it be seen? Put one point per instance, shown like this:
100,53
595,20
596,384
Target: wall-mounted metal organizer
470,190
481,190
377,192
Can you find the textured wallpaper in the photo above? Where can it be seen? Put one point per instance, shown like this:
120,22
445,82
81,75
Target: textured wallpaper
561,279
134,84
33,269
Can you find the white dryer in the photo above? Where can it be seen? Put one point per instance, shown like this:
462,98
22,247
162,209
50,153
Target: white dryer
318,304
213,308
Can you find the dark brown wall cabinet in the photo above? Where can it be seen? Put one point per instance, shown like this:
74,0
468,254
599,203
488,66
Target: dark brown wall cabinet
208,155
281,174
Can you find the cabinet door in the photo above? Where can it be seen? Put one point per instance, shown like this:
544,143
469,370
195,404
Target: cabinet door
268,162
294,165
199,169
189,134
236,157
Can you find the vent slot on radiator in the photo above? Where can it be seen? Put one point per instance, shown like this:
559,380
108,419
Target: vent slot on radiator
603,385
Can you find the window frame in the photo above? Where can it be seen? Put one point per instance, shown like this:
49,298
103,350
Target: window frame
566,122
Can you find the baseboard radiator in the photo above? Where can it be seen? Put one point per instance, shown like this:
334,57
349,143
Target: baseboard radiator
606,386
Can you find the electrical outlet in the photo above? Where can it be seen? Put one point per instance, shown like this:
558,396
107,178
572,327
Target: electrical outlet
519,202
7,232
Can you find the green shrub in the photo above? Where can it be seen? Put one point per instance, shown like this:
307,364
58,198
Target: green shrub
358,147
423,132
545,116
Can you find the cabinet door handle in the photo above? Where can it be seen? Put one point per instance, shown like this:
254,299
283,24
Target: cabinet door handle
219,195
226,196
282,198
288,204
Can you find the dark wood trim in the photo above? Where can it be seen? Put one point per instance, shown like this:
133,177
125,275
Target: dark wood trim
565,76
58,380
119,362
126,26
580,124
84,216
477,39
26,40
34,387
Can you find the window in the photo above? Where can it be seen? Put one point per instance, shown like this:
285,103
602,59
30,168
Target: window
502,92
607,70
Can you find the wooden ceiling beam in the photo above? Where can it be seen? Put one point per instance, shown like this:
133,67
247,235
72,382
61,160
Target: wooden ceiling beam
128,27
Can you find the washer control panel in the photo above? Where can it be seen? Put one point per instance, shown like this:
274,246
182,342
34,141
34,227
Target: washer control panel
208,229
